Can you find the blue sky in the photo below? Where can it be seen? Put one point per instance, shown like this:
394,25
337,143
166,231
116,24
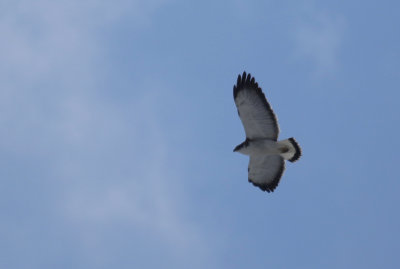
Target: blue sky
118,125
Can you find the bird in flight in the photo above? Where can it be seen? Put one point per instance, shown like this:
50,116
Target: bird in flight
267,154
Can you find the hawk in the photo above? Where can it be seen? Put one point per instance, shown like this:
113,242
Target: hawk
267,154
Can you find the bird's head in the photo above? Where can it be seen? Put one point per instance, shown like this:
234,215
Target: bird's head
242,145
237,148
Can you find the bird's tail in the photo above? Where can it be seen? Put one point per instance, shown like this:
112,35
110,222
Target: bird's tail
292,150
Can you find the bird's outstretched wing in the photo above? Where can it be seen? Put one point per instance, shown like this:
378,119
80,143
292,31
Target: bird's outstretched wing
266,171
258,119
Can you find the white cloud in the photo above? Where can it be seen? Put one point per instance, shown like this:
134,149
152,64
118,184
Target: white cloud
318,36
111,163
42,37
123,174
138,186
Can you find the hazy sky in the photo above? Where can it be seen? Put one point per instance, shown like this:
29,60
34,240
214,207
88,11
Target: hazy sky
118,125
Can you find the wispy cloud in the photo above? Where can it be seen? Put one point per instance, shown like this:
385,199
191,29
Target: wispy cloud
110,161
318,36
45,35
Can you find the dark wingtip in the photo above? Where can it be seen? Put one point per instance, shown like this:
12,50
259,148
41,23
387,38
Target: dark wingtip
245,80
275,182
263,187
248,79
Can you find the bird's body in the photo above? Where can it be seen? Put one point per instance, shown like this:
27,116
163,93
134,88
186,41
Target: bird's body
267,154
260,147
